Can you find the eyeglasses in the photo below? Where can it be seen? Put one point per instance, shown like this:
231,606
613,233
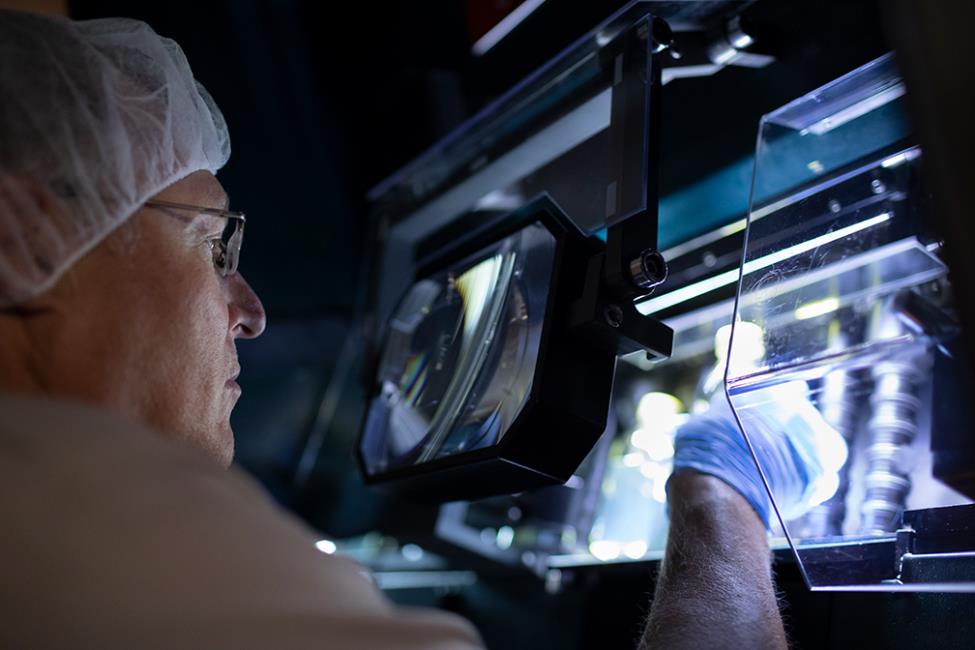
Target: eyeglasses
226,249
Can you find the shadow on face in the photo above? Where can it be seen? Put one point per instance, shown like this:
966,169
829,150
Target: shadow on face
145,325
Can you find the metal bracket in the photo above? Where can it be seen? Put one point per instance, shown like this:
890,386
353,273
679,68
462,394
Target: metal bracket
615,324
630,267
702,53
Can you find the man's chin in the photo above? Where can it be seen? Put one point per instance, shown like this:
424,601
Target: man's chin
225,452
208,433
217,443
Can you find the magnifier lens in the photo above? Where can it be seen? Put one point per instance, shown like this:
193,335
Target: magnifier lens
460,354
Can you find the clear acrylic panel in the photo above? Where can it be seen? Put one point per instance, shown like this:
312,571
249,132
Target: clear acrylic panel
843,315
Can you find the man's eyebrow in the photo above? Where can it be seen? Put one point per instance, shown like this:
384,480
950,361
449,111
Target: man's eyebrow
205,220
203,223
223,202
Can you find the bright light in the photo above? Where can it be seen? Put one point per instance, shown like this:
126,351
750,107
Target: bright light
633,459
825,488
412,552
326,546
657,475
678,296
660,490
656,443
655,405
897,159
640,438
654,471
604,549
658,414
749,344
816,308
506,535
647,489
661,448
476,284
635,550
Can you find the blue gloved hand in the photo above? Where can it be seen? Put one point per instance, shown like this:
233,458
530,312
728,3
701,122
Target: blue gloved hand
800,453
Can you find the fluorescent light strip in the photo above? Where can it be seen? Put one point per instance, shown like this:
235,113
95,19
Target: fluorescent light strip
504,27
705,239
904,156
713,236
678,296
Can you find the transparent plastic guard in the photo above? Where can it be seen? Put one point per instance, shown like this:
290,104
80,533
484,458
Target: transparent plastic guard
835,273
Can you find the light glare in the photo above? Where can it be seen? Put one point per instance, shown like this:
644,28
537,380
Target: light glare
326,546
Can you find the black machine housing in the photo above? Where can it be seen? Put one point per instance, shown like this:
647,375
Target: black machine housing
566,410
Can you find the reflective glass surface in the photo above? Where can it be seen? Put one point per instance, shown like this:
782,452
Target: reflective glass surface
842,311
460,354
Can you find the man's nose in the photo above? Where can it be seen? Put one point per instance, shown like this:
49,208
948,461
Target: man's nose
247,317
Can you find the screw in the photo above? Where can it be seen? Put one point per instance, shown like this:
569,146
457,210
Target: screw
878,186
834,206
613,315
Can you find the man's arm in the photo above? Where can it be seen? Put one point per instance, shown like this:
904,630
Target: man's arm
715,586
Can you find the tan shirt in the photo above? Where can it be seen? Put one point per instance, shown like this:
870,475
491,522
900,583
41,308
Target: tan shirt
111,537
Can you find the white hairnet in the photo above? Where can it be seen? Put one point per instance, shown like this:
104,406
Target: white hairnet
95,117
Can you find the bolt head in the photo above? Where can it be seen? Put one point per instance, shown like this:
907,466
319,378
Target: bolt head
613,315
648,270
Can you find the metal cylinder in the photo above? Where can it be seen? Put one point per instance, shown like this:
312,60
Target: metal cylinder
648,269
840,408
838,403
895,410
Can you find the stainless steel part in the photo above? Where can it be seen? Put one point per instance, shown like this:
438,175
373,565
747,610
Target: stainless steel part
648,269
840,408
893,425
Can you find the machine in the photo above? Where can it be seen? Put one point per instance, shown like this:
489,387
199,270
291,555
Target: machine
544,330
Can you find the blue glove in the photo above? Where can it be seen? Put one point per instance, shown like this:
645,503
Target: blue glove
800,453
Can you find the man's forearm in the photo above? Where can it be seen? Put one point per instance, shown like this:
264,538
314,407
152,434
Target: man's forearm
715,587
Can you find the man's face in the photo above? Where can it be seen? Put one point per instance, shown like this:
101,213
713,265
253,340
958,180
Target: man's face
145,325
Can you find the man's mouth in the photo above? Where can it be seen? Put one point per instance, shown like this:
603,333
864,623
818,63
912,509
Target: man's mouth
232,382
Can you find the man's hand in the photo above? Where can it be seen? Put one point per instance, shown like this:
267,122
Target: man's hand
799,452
715,586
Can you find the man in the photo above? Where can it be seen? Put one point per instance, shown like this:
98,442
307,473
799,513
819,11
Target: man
120,305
